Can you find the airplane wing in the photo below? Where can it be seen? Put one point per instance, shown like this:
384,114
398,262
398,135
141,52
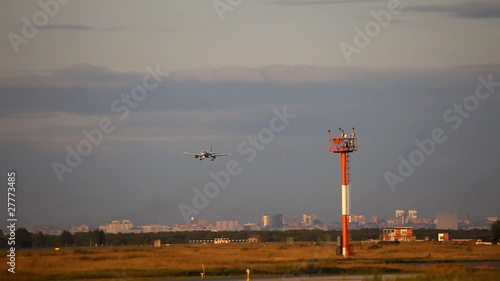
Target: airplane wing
190,153
220,154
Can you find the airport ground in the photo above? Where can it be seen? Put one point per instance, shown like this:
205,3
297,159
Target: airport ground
300,260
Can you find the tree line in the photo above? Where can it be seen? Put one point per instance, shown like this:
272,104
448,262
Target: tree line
25,239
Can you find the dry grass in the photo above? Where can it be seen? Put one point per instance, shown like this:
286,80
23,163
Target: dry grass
430,251
233,259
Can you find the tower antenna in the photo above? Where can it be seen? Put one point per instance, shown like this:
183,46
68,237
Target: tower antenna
344,145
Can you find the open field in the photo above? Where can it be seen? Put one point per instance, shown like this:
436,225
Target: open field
301,259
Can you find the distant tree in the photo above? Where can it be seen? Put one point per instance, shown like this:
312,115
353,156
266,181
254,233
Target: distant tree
23,238
66,238
119,239
495,228
39,240
98,237
81,238
3,240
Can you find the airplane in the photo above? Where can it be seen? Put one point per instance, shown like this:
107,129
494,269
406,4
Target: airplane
207,154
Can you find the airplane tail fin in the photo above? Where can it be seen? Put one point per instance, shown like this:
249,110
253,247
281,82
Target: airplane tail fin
211,146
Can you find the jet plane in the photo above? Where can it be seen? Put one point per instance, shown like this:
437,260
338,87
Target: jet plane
207,154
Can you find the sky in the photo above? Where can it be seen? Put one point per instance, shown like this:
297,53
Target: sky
100,99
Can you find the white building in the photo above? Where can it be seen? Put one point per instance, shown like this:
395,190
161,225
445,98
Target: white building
154,228
412,216
117,226
81,228
228,225
447,220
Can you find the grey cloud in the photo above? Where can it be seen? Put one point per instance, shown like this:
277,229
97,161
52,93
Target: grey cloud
76,27
67,27
86,89
152,28
475,10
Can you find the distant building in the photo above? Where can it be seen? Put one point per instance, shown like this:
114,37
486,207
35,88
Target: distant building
277,221
203,222
308,220
291,221
228,225
81,228
266,221
447,220
371,225
444,237
272,222
482,224
47,230
192,221
402,234
412,216
135,230
118,226
251,226
386,223
360,219
156,227
400,217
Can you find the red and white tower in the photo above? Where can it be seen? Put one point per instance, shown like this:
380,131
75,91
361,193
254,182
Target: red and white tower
344,145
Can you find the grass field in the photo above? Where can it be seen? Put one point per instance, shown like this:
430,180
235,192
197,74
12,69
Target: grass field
135,263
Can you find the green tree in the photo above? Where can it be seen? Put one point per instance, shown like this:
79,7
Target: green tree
39,240
495,228
81,238
3,240
23,238
98,237
66,238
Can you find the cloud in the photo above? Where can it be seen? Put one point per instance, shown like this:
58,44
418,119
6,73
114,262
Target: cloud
67,27
475,10
79,75
46,129
300,74
95,77
76,27
100,78
275,74
55,130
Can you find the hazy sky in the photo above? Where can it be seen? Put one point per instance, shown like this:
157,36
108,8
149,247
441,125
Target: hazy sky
223,69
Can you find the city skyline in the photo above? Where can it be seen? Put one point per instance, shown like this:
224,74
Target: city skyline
269,222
